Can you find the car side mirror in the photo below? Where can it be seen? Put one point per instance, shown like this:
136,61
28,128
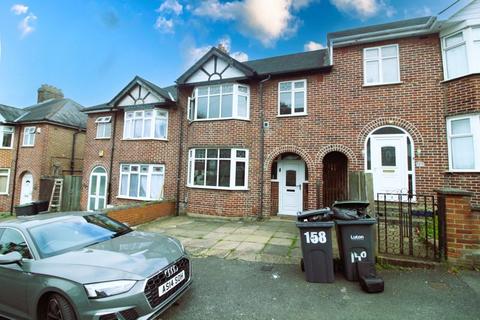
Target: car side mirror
10,258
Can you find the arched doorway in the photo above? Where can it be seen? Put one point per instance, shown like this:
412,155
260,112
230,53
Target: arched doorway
97,189
389,157
26,189
289,174
335,178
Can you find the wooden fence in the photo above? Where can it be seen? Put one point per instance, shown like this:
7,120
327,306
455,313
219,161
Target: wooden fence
72,188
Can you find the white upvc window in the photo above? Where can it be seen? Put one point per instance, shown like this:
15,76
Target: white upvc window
4,180
461,52
381,65
142,181
146,124
463,133
222,101
6,137
292,98
29,136
218,168
104,127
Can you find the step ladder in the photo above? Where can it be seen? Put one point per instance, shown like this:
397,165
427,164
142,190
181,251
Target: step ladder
56,197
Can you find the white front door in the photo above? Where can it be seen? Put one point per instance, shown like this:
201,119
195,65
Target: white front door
389,165
97,189
291,174
26,188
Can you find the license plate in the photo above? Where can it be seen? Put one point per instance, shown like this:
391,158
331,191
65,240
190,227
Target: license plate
172,283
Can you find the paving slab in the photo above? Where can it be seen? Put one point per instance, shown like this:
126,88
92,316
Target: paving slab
226,245
285,235
236,237
281,242
271,258
224,229
250,247
219,253
257,239
264,233
276,250
202,243
215,235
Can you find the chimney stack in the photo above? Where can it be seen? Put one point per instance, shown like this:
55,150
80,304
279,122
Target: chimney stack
222,48
47,92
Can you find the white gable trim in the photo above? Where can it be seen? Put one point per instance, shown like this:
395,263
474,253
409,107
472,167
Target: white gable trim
139,94
214,69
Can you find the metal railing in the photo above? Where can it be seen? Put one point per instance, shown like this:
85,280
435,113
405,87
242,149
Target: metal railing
409,225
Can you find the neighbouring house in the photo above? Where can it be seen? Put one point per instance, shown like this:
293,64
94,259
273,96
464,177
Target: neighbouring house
39,142
399,101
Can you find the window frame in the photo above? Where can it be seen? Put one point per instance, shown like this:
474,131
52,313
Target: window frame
152,125
380,59
292,99
32,253
30,133
104,122
235,95
469,40
2,136
475,133
149,180
233,164
8,180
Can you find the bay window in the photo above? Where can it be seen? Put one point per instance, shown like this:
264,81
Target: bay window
218,168
6,137
146,124
222,101
142,181
463,143
292,98
461,50
381,65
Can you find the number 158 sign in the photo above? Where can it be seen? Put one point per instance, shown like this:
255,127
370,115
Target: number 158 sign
315,237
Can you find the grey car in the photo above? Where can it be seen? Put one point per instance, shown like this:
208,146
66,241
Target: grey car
79,266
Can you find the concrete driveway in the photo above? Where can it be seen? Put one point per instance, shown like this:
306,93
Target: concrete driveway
270,241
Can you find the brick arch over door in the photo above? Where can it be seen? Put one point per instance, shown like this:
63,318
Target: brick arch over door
285,149
339,148
404,124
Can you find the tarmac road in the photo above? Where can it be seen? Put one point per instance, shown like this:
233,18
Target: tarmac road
230,289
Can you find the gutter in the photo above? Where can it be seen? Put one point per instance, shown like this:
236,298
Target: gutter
262,146
110,169
179,163
15,168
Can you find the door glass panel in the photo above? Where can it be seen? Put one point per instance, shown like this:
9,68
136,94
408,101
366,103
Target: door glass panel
101,203
388,157
91,203
291,178
93,185
103,181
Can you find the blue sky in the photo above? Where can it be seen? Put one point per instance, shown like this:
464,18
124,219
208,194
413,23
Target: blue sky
92,49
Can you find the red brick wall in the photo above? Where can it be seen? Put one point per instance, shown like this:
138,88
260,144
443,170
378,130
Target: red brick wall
6,162
131,151
462,228
143,213
341,113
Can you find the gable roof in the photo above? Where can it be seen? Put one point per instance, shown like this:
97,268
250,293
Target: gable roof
149,85
396,29
220,54
302,61
62,111
9,114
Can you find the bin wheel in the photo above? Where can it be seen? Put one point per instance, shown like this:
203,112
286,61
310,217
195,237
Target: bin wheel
302,265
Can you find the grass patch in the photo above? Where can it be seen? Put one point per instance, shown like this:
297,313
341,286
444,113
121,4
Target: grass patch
5,216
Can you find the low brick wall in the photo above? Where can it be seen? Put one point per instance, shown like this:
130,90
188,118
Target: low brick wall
462,226
142,213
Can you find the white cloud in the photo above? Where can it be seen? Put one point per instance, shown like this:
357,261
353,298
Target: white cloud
312,45
172,6
19,9
164,25
363,8
194,53
239,56
25,25
265,20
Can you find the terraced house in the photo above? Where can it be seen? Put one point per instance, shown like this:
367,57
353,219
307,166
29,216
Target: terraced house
400,101
38,143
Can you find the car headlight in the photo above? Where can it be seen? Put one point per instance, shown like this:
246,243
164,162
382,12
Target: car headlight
106,289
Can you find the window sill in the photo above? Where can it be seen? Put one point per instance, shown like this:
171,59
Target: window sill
367,85
292,115
137,199
6,148
28,146
217,188
144,139
219,119
3,194
102,138
459,77
463,171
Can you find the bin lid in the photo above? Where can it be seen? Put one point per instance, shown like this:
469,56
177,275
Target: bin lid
322,224
316,212
352,204
365,221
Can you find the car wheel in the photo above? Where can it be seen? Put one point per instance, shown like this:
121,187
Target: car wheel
58,308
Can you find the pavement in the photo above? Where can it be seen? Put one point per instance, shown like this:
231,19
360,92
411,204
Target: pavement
270,241
228,289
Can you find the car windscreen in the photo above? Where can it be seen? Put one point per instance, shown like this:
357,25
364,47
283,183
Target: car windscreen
74,232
